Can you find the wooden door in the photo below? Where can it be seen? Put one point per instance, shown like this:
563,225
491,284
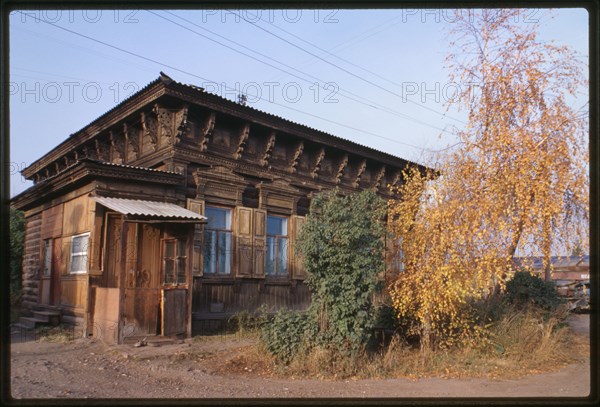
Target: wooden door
113,250
142,290
174,312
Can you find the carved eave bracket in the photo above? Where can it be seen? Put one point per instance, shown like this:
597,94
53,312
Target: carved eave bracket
396,179
132,140
207,130
149,125
361,170
379,178
118,145
101,150
268,149
244,133
181,124
317,167
341,168
165,124
296,157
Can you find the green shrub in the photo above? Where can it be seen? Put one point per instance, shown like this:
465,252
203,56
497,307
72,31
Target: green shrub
342,250
287,334
526,289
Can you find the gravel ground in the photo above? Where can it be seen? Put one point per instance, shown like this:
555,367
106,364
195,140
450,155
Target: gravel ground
211,368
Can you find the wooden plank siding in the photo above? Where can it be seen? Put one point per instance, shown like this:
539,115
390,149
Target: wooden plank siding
31,260
247,295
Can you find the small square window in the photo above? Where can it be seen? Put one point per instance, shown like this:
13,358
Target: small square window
79,253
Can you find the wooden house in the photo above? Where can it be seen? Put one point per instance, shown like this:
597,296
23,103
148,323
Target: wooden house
178,207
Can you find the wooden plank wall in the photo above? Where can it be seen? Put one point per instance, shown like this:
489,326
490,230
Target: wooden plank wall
174,309
106,314
31,260
248,296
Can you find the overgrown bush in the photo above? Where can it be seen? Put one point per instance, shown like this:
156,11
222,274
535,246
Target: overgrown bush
342,250
341,247
287,333
526,289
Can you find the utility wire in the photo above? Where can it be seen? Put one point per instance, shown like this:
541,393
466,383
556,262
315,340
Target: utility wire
348,62
361,99
208,80
342,69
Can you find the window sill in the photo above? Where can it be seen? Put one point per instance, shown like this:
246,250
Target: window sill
216,279
277,280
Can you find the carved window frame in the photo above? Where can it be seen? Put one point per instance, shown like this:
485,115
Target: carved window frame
227,231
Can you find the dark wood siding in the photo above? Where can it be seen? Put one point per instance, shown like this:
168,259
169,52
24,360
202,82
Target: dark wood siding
31,260
213,300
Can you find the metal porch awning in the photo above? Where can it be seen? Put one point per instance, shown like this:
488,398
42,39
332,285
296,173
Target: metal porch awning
163,211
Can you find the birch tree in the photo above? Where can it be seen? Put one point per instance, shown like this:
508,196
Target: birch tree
517,180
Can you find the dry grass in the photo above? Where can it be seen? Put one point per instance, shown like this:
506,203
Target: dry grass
56,334
521,343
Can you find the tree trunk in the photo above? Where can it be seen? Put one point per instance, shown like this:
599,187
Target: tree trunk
426,335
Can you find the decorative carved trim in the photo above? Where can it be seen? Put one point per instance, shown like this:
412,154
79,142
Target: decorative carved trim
101,150
207,130
165,124
315,172
118,145
245,132
296,158
86,151
269,149
361,170
379,178
396,179
149,125
341,168
132,139
181,122
220,176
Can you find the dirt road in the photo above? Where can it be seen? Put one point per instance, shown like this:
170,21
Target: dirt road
194,369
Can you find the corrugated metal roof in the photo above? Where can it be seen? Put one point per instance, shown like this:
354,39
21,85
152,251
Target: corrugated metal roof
135,167
148,208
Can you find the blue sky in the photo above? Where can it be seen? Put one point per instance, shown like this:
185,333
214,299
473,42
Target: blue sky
392,61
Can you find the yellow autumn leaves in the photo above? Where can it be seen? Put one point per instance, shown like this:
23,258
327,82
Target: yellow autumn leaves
518,182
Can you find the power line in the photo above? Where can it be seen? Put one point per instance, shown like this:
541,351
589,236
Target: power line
343,69
208,80
361,99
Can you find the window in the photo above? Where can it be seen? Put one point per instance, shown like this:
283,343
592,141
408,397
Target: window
174,261
277,244
79,253
217,241
47,256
